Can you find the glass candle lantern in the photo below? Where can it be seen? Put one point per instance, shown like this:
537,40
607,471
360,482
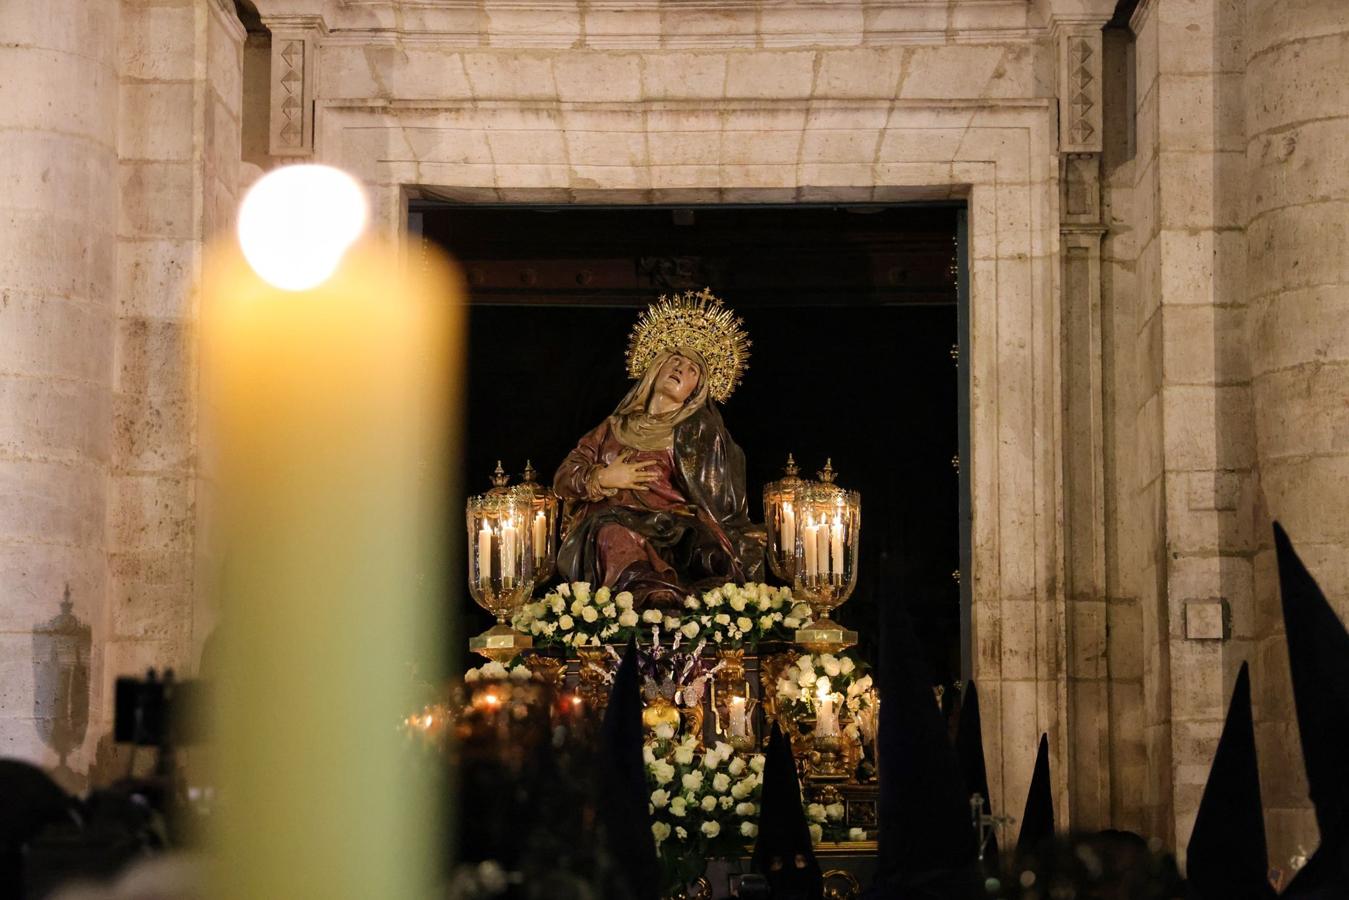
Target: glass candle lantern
779,514
828,526
500,565
542,524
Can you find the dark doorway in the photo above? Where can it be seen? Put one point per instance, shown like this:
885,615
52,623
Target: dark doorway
853,315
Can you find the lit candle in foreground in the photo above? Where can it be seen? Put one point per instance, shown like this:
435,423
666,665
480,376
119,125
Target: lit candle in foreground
328,370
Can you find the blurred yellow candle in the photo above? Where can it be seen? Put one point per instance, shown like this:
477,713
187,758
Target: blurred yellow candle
333,409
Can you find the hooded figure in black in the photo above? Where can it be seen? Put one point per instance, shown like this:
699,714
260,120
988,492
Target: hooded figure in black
622,801
1227,857
970,750
1318,659
1037,822
783,853
927,843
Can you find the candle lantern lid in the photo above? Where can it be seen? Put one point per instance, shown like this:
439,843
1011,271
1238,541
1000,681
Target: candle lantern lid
499,480
788,484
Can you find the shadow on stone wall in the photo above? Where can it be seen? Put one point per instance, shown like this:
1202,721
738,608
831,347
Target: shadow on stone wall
61,650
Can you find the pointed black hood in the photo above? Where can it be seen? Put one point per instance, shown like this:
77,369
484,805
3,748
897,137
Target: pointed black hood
783,852
970,750
1227,856
1318,659
927,842
622,802
1037,822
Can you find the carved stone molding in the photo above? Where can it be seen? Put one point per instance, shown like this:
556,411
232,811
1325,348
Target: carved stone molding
295,45
1079,87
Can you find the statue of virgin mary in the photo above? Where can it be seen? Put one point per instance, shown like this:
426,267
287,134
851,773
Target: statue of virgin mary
655,495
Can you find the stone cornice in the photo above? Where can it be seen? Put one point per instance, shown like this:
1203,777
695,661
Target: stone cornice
654,24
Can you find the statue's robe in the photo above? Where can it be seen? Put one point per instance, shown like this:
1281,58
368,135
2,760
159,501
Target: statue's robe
688,530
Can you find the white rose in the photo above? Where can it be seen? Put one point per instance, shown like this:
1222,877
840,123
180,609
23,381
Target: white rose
660,798
472,675
651,616
722,619
662,771
564,589
846,665
749,829
691,602
737,603
823,687
857,834
744,623
664,732
713,597
660,831
566,623
537,627
521,673
816,834
692,781
807,678
690,630
624,600
684,756
726,801
830,665
788,690
627,618
756,762
610,611
678,807
721,782
602,595
576,607
590,614
709,803
711,829
671,623
494,669
648,754
815,812
834,810
680,832
792,622
745,809
742,788
765,622
736,767
581,589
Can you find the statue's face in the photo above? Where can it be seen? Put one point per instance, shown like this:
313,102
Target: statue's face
677,378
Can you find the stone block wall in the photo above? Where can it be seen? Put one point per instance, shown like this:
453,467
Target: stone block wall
121,124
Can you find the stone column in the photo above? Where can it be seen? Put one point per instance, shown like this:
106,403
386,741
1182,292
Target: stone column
1297,228
58,221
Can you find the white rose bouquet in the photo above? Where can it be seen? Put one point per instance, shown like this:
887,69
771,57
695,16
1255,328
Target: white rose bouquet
573,616
703,803
801,683
743,615
495,671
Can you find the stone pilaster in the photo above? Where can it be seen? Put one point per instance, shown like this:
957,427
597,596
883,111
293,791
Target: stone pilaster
1079,87
1296,56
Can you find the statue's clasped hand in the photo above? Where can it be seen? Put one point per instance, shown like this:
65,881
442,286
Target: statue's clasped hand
624,474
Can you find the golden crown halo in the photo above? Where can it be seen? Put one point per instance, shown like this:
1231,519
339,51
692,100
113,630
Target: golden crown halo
697,321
